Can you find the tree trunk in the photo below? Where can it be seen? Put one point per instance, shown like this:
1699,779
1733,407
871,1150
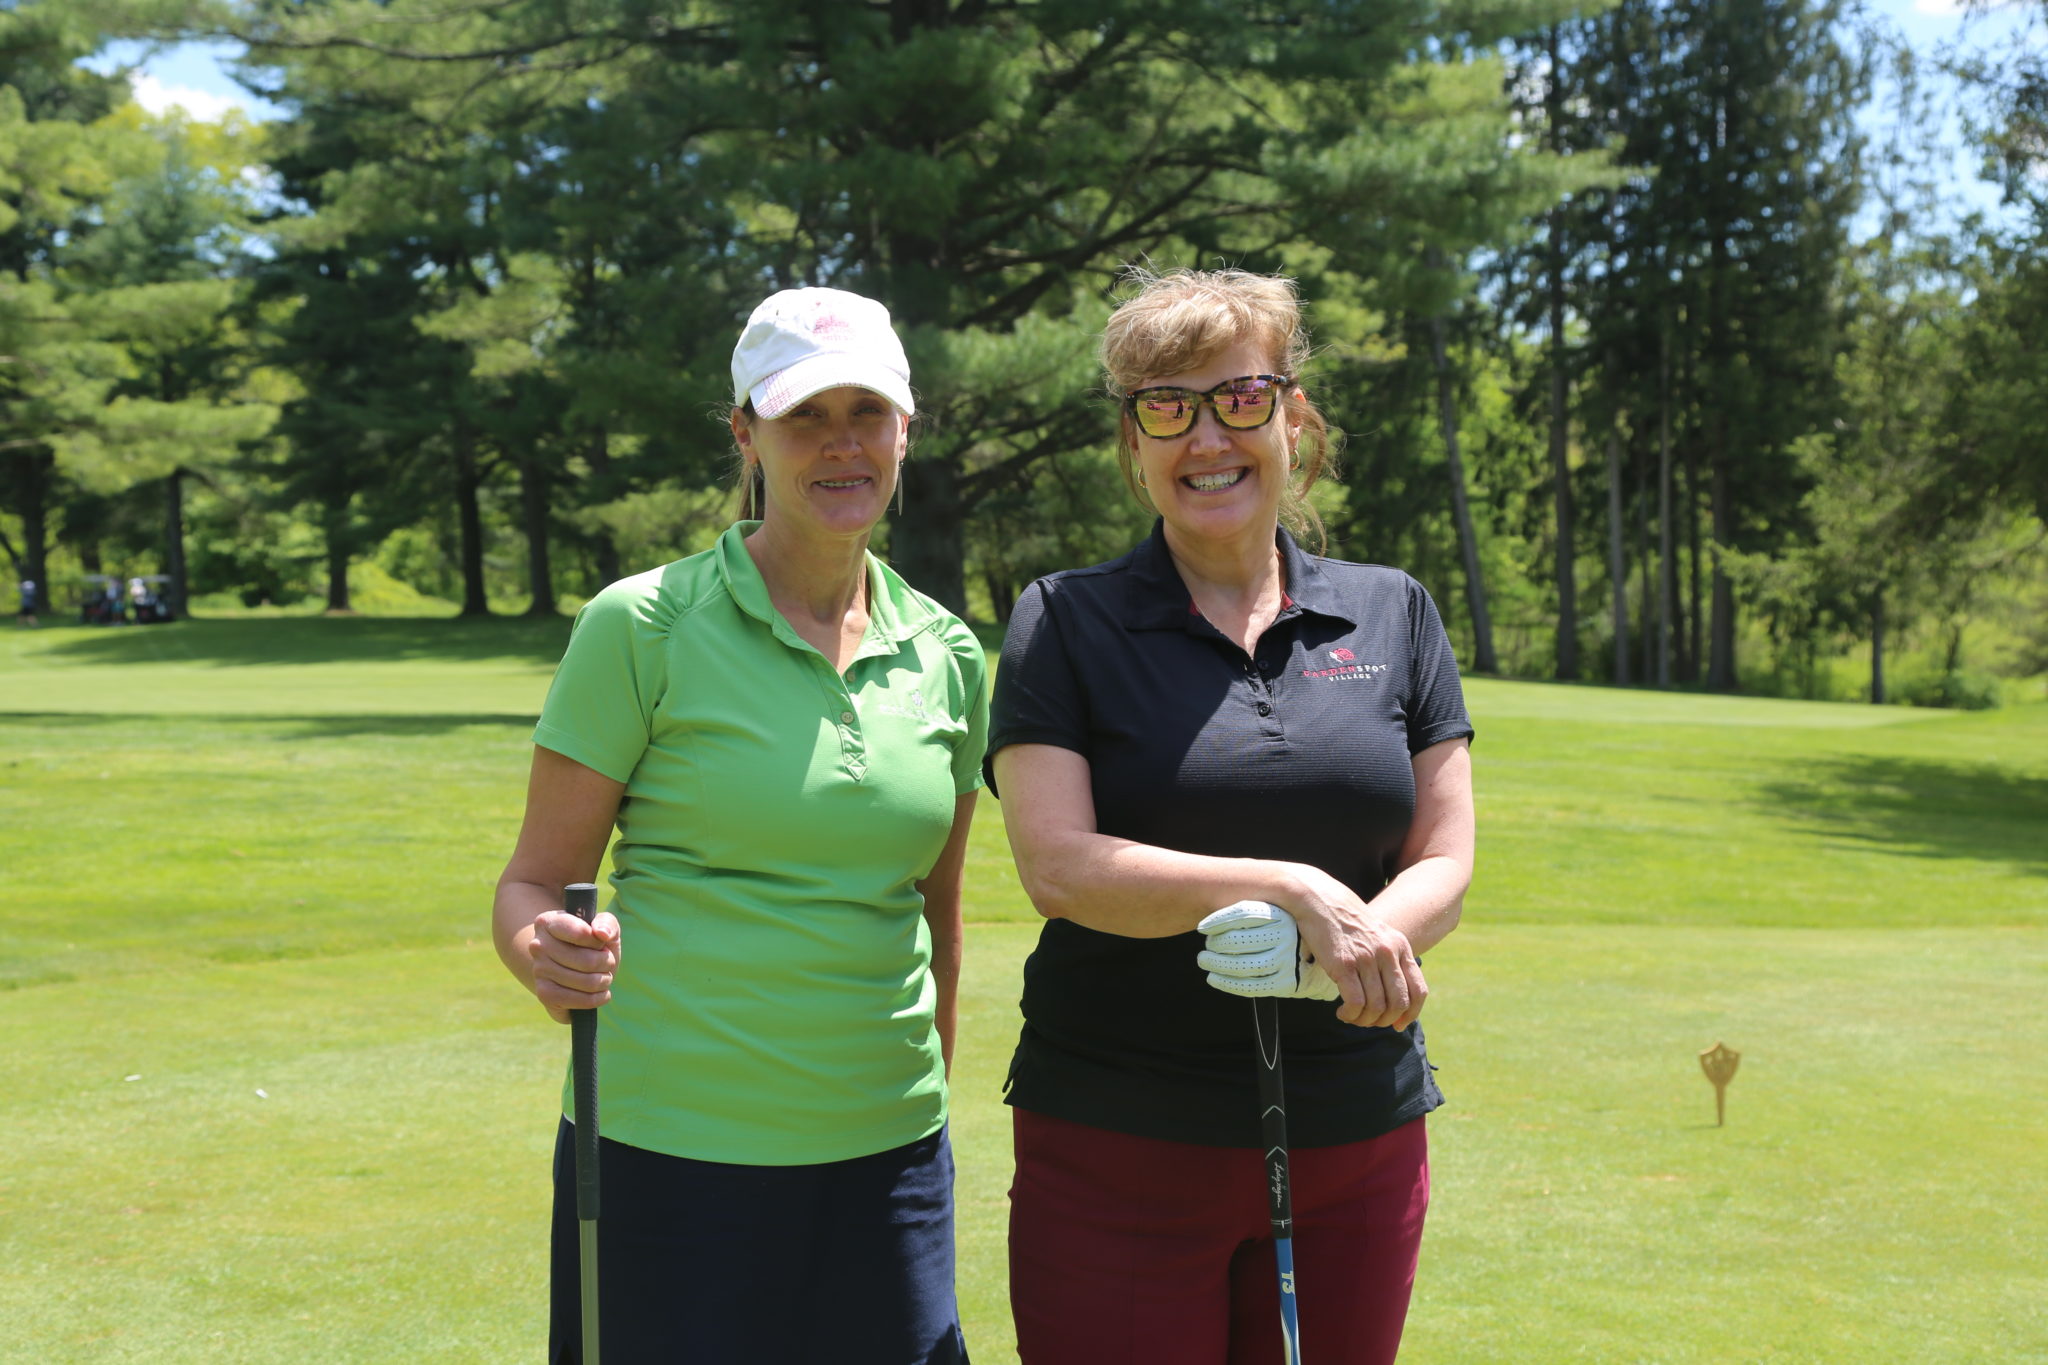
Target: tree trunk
1667,577
1561,480
469,519
928,542
1721,662
32,501
1617,561
1001,596
1720,347
1877,650
1483,660
1560,455
533,506
1646,573
1695,616
174,543
600,457
338,556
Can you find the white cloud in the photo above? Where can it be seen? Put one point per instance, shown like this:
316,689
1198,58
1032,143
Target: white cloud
153,95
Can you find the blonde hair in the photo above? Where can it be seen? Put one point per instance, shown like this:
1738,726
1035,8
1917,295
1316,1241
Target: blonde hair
1181,320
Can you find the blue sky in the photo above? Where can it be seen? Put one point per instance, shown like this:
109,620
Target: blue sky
192,75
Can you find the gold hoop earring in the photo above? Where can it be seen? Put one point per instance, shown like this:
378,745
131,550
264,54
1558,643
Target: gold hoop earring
1139,475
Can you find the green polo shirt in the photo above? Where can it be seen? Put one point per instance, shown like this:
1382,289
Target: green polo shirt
774,1002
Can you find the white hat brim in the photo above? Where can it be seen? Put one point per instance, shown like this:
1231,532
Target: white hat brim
784,389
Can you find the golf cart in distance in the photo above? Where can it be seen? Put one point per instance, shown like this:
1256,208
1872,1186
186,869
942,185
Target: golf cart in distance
104,601
100,602
146,598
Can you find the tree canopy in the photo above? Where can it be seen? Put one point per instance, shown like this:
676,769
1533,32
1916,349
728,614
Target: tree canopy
1617,377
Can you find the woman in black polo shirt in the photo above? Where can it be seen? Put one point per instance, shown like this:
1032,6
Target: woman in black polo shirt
1219,716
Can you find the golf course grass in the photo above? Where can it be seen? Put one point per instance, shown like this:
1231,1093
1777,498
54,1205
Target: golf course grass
270,1097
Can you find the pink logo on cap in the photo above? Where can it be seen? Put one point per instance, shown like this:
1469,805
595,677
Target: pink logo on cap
831,325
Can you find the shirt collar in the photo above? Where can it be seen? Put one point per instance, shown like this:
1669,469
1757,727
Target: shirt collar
895,613
1309,586
1157,599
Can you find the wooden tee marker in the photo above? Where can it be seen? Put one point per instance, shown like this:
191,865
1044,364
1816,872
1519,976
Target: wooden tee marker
1719,1062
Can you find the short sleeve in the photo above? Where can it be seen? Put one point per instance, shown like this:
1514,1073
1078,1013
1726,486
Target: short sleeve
600,707
1436,708
973,746
1037,696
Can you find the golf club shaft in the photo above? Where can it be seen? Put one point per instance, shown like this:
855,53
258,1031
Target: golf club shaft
1279,1191
580,900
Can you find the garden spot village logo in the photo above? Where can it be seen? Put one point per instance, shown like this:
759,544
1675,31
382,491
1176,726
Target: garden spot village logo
1344,667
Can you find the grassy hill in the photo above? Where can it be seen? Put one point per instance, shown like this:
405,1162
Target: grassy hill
272,1097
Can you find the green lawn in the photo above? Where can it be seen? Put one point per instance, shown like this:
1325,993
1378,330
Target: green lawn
255,856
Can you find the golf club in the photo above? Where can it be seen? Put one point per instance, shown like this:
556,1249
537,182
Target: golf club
1280,1197
580,900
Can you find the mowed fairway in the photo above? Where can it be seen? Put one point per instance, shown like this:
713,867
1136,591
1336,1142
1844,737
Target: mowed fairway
270,1097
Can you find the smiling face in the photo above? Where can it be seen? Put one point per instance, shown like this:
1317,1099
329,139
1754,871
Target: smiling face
829,465
1211,483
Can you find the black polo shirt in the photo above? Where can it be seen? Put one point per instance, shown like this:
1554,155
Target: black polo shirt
1301,753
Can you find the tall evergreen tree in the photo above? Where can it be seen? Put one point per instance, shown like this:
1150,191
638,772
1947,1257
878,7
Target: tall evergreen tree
2004,459
974,165
157,283
55,166
1710,303
384,421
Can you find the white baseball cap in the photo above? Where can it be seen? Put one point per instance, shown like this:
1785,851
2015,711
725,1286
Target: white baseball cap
804,341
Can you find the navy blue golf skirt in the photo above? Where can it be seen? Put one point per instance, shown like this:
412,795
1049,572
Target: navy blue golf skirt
715,1264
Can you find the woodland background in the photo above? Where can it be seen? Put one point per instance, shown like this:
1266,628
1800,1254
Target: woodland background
1653,363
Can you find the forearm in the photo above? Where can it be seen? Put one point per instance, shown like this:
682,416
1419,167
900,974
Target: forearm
941,889
569,814
1425,901
1138,890
513,910
1427,896
946,956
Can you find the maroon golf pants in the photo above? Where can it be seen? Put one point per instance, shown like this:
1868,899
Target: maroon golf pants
1128,1249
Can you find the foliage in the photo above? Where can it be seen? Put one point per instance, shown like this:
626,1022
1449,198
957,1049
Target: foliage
608,208
464,313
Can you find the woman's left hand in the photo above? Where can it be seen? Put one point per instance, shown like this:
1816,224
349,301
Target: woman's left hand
1371,962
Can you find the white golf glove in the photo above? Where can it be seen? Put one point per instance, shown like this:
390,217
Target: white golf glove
1254,950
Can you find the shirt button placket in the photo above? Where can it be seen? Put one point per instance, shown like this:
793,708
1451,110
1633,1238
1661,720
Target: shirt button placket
1261,675
852,749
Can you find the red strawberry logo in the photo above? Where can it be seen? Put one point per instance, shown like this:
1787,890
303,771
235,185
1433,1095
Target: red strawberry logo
1342,656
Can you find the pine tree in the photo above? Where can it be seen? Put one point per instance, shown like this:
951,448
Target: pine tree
156,286
976,166
54,168
1712,310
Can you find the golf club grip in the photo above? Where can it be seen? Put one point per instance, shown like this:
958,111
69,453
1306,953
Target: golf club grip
1273,1115
580,900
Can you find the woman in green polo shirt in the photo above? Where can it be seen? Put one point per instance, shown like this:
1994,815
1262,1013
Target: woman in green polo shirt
788,739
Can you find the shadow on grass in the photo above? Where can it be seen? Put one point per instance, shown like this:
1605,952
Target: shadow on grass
318,639
276,727
1923,808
